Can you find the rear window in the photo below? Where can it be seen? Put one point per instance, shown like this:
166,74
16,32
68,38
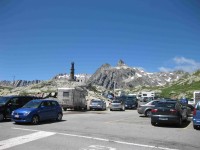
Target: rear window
96,101
116,101
165,105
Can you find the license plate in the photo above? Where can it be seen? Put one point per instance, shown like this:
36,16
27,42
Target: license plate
16,116
163,118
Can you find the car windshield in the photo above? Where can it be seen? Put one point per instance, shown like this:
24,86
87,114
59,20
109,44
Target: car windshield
129,101
131,98
32,104
3,100
166,104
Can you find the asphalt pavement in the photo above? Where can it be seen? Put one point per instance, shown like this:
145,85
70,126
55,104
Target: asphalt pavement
98,130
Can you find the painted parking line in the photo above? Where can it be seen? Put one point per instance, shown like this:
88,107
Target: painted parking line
100,139
24,139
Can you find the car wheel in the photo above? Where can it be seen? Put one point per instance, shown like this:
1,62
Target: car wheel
148,113
35,120
153,123
194,126
110,109
65,109
59,117
180,122
1,117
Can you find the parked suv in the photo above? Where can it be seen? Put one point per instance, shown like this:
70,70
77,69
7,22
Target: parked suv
131,102
10,103
169,111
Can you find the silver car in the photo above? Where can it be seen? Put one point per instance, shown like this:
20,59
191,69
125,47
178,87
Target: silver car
117,105
146,108
97,104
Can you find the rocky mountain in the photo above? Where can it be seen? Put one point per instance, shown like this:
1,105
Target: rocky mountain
18,83
123,76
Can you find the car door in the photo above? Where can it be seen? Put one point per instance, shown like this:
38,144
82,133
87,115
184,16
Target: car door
45,110
14,103
54,110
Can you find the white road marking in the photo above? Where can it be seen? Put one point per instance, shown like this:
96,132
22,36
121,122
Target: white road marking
99,139
98,147
24,139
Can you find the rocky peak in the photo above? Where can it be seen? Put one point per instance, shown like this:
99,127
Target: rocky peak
120,63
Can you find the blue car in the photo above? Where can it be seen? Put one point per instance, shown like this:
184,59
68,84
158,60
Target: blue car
196,116
38,110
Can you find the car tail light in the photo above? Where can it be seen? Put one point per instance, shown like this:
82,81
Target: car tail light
173,110
194,112
154,110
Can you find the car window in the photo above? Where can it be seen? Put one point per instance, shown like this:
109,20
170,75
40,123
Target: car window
165,105
54,103
46,104
116,101
154,103
15,101
4,100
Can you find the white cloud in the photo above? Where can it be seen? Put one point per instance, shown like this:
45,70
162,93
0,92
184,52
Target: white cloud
185,61
182,63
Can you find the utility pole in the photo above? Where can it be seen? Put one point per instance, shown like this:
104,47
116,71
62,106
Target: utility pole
114,89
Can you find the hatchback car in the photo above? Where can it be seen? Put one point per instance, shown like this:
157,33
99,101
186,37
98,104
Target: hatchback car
117,105
168,112
38,110
196,116
97,104
10,103
145,109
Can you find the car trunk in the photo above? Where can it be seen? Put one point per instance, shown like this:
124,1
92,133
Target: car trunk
165,111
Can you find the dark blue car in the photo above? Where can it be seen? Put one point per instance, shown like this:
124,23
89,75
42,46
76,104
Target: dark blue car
38,110
196,116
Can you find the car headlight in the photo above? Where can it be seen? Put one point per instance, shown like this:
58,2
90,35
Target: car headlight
26,113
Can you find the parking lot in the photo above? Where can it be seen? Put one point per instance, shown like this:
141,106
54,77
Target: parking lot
99,130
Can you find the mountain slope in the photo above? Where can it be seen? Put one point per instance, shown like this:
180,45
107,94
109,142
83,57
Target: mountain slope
184,87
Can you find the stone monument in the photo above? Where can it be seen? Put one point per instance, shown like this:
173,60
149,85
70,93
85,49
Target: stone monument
71,78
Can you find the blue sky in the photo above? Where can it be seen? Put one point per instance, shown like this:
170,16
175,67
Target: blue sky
40,38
